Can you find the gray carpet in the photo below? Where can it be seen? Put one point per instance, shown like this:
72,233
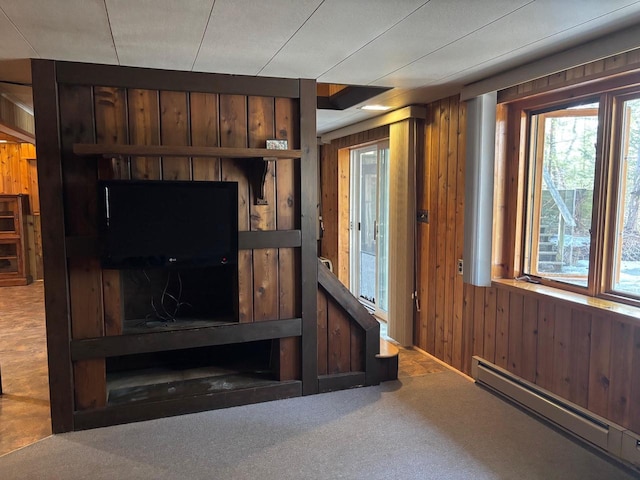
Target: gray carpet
437,426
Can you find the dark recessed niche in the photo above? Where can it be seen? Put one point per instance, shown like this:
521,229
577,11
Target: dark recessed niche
188,372
169,298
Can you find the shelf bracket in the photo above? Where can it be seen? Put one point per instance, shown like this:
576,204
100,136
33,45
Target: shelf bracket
256,170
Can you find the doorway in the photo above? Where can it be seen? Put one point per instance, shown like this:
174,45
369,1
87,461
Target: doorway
369,226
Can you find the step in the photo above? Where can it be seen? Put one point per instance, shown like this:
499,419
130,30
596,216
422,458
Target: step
387,349
388,361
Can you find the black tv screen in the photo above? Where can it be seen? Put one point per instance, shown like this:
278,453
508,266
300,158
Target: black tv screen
146,224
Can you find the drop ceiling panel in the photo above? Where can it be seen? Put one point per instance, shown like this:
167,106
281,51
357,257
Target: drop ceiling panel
12,44
486,47
71,30
335,31
433,26
243,35
158,33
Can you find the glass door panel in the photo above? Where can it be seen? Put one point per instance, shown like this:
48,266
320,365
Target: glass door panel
369,226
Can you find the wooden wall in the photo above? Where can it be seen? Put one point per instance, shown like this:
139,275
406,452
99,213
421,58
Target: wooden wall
18,174
267,277
341,342
583,354
146,107
439,323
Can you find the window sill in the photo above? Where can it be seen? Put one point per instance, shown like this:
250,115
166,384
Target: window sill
626,313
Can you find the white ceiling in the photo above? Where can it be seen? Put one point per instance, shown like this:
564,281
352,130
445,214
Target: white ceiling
423,49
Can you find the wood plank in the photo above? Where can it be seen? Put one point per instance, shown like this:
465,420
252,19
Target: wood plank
187,338
112,128
580,353
451,258
233,133
467,327
357,348
502,328
339,339
266,287
309,249
489,344
634,400
85,278
529,338
113,306
561,377
322,332
269,239
289,359
479,308
343,268
286,128
514,358
288,208
440,238
90,388
341,381
545,358
265,284
174,130
432,155
155,79
621,367
599,365
53,238
144,129
459,233
203,110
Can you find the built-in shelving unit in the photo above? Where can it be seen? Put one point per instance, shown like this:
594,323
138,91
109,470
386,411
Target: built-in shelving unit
14,269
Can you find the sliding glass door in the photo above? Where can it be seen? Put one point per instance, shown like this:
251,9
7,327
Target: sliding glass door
369,225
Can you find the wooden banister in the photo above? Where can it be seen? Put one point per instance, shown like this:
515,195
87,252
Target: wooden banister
359,315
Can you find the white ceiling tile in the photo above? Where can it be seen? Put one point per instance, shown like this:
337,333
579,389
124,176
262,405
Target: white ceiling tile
12,44
71,30
486,47
433,26
168,36
243,35
335,31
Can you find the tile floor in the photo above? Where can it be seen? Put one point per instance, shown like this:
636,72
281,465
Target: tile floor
24,405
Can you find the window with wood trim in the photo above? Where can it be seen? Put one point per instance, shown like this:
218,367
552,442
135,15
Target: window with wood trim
581,179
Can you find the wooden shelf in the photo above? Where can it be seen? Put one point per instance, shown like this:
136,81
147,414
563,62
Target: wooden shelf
115,150
256,159
128,344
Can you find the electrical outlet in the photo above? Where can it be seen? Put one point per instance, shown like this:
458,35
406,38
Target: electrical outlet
460,266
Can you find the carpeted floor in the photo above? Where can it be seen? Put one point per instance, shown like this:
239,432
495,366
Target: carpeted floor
437,426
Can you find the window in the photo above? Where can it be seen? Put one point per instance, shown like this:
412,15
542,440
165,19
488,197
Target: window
562,170
581,217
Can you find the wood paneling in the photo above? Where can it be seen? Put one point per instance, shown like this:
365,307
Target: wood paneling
615,65
151,109
444,323
580,353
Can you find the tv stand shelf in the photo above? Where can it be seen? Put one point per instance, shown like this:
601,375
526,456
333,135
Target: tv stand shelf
156,341
257,158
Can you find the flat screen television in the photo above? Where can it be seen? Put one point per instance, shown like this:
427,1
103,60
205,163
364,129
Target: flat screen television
146,224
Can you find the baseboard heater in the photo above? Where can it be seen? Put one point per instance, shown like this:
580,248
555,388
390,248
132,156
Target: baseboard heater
613,439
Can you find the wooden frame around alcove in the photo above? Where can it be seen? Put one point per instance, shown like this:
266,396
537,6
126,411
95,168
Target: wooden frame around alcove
99,104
